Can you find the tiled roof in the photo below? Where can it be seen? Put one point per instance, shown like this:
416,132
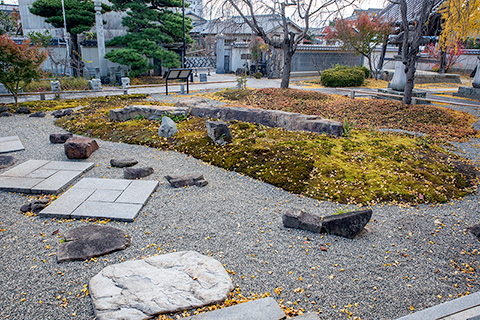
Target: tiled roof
392,11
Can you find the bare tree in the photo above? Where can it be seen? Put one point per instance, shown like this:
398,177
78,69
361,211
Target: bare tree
304,10
414,29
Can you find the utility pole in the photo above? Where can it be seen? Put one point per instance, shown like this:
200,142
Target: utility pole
184,40
67,41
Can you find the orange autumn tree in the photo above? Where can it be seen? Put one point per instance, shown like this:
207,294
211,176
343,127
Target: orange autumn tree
361,35
19,64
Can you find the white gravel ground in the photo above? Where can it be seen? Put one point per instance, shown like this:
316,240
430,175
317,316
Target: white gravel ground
410,258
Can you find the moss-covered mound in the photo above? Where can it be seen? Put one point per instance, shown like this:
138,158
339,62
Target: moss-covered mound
438,122
366,168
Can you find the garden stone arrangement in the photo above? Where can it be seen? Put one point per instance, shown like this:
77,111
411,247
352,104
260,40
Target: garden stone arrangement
42,176
161,284
199,107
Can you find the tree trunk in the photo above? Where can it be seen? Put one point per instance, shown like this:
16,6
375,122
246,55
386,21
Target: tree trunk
76,57
443,61
369,58
382,56
287,66
409,84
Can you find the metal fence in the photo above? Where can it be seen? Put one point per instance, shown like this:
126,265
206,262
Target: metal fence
200,62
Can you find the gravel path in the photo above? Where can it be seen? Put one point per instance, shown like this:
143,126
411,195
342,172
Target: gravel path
407,259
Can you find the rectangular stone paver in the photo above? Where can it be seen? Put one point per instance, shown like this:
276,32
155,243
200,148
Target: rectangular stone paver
137,192
57,181
114,199
67,203
10,144
18,184
42,176
107,210
25,168
107,184
265,309
102,195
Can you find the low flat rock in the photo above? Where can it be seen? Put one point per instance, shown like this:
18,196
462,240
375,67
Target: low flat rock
62,113
40,114
193,179
60,137
171,282
264,309
6,161
122,163
475,230
137,173
298,219
91,241
218,131
23,110
348,224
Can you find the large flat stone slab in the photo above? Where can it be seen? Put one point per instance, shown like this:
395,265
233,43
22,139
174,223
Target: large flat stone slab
463,308
114,199
171,282
10,144
91,241
265,309
42,176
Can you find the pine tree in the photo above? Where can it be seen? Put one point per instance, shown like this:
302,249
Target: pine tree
79,16
154,30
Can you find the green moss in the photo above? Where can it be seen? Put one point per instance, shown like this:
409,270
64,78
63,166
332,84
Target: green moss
359,169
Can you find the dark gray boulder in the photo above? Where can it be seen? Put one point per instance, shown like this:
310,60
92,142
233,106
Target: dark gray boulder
122,163
23,110
6,161
60,137
475,230
91,241
40,114
35,206
62,113
137,173
298,219
348,224
194,179
5,114
4,109
218,131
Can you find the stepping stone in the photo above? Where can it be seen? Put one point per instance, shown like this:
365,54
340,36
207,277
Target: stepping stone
80,147
265,309
40,114
170,282
62,113
42,176
10,144
60,137
6,161
91,241
137,173
115,199
194,179
346,225
122,163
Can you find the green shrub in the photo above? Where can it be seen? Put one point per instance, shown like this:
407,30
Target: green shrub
365,70
258,75
343,77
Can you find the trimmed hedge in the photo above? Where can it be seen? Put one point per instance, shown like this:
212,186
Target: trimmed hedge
342,76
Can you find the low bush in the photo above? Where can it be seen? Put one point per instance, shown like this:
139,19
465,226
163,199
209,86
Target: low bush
258,75
343,77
